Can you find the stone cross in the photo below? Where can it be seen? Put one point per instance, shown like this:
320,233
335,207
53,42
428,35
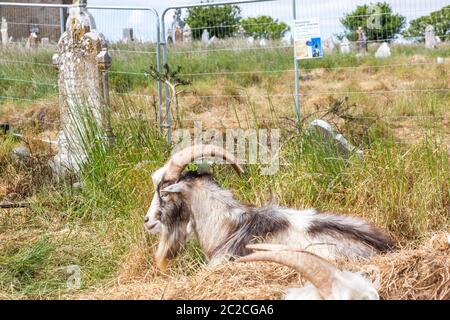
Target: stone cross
361,44
4,31
82,61
178,35
430,37
205,36
187,34
345,46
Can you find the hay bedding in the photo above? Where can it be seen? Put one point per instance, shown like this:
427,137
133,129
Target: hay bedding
422,273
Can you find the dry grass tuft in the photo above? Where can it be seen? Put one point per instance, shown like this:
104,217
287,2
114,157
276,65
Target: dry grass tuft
421,273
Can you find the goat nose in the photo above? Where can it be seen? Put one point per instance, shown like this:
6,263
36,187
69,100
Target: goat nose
146,219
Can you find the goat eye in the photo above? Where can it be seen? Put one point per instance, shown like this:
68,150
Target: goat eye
164,196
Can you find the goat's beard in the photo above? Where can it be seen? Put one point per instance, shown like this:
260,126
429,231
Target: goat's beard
169,245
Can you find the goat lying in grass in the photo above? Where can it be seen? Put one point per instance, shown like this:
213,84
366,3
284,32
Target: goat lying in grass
326,282
193,203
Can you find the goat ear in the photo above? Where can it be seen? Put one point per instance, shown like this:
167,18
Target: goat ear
176,188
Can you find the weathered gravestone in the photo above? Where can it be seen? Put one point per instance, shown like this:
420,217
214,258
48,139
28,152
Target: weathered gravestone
430,37
241,32
383,51
325,130
127,35
33,41
205,36
45,42
178,35
361,44
82,61
187,34
263,42
328,45
345,46
4,31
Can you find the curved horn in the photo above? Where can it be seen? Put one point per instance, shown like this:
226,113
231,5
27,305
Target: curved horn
181,159
316,270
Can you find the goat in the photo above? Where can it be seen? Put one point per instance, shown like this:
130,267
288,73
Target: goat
193,203
326,282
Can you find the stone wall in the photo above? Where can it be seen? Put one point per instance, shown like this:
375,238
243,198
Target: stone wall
20,20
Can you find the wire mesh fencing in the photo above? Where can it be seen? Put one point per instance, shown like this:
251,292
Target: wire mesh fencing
232,64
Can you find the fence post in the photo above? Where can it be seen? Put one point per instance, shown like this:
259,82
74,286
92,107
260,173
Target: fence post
158,67
297,80
62,20
166,87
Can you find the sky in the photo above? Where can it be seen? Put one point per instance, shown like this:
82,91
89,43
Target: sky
111,22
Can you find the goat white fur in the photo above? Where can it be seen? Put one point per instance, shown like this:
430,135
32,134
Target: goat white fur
326,282
192,203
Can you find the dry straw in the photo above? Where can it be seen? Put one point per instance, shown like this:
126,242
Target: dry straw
421,273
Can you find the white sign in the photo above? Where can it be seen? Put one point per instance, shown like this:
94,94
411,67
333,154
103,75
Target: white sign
307,40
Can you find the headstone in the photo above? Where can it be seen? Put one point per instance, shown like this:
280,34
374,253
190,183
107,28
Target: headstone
328,45
241,32
82,61
4,31
127,35
205,36
212,40
430,37
383,51
401,40
45,42
440,60
176,23
178,35
263,42
250,41
187,34
33,41
170,38
287,41
326,131
361,44
345,46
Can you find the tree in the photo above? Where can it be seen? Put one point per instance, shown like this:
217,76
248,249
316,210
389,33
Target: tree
378,20
264,27
220,21
440,20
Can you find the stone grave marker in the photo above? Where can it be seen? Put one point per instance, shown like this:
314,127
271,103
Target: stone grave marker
361,44
82,61
345,46
205,36
4,31
127,35
187,34
383,51
430,37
